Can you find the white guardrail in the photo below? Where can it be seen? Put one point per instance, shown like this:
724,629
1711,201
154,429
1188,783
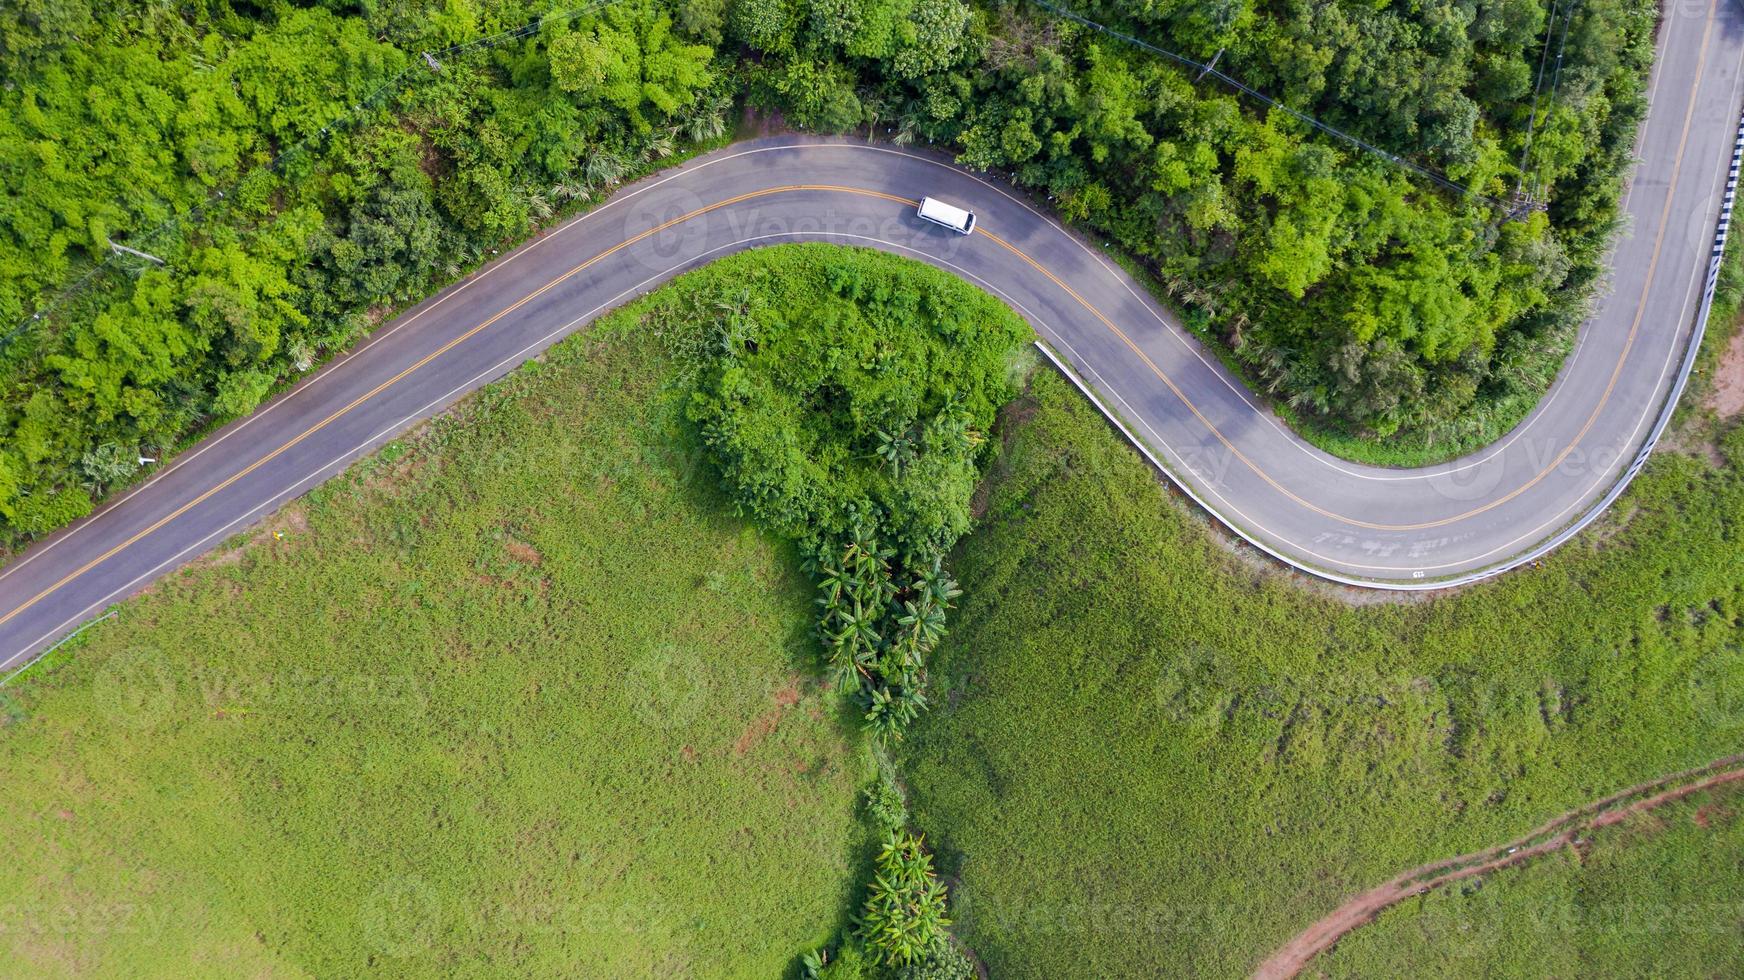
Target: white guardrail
1542,548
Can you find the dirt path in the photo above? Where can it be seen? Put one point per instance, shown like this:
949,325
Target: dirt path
1727,396
1561,831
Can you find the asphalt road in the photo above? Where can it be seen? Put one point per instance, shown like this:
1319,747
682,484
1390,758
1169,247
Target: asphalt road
1390,527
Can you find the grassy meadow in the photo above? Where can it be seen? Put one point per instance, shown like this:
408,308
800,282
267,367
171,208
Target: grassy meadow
1659,895
1159,759
524,693
519,695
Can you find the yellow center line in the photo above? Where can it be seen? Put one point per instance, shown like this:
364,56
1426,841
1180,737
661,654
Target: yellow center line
378,389
1157,371
1604,398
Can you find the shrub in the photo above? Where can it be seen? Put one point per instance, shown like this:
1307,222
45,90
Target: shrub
855,394
43,512
848,962
944,961
844,401
884,802
904,917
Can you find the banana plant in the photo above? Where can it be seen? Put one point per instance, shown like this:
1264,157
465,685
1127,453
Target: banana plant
897,450
936,582
924,621
859,628
904,915
890,710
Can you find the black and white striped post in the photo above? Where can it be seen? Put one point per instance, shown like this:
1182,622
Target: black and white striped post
1669,408
1725,219
1666,411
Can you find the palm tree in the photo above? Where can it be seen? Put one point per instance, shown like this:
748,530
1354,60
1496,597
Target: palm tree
907,124
660,146
897,450
707,118
539,206
569,190
604,168
939,584
873,105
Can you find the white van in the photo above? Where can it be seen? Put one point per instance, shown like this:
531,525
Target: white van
939,213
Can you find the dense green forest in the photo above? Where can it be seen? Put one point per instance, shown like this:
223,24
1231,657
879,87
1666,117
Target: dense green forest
115,118
1367,299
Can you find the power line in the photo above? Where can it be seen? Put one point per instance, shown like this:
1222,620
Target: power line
1556,73
1537,90
201,211
1439,179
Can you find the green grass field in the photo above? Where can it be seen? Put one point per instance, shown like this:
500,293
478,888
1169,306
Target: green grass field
519,695
1157,759
1660,895
522,694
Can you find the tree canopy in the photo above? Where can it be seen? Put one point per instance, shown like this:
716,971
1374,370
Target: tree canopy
116,119
1366,299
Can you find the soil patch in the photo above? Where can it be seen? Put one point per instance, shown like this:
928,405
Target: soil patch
1727,395
1567,830
522,552
785,698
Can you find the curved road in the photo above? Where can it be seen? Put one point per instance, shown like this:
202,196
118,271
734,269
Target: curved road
1394,528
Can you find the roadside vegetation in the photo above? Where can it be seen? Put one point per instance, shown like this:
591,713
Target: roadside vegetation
391,180
1657,896
1395,320
1392,319
1153,756
548,624
524,691
845,397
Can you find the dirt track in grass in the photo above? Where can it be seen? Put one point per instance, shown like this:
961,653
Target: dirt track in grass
1565,830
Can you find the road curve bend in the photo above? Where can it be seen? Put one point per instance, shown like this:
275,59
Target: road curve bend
1352,523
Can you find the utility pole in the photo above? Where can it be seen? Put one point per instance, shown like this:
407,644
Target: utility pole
1210,65
120,249
1523,204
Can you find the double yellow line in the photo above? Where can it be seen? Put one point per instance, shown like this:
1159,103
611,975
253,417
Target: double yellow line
789,188
426,359
1604,398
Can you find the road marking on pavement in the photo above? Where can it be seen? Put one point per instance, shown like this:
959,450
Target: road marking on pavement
1598,408
1157,371
426,359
